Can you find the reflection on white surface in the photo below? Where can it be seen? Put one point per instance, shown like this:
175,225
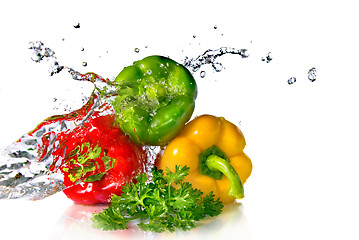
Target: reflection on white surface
76,224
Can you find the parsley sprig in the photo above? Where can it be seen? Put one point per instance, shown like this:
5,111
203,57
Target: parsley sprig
165,203
87,162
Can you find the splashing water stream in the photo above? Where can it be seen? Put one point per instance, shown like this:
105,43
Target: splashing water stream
210,57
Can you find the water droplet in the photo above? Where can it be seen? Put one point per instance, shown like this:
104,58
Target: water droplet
267,58
35,45
82,49
47,52
217,67
215,27
36,57
194,36
137,50
77,25
244,53
149,71
292,80
84,64
63,39
55,68
202,74
312,74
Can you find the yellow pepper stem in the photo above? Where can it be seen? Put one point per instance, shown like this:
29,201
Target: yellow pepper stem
215,162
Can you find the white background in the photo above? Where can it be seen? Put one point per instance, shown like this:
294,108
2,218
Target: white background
302,138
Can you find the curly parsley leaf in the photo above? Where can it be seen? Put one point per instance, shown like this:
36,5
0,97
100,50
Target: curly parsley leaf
177,176
87,162
164,204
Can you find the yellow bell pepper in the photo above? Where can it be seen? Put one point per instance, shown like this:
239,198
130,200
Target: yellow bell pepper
213,149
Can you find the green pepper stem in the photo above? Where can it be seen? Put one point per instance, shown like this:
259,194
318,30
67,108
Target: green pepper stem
215,162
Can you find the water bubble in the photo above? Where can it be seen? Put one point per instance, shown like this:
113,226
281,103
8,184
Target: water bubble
77,25
292,80
312,74
202,74
137,50
84,64
267,58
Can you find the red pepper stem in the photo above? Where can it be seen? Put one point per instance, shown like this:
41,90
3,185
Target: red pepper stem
215,162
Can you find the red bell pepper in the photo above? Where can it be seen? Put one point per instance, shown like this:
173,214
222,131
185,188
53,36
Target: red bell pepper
97,159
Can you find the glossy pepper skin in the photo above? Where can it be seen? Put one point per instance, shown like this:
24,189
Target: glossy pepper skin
103,172
196,142
156,97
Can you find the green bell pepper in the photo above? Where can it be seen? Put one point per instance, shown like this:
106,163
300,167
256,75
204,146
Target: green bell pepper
155,98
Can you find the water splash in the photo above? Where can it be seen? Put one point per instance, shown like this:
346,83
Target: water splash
27,166
66,105
41,53
210,57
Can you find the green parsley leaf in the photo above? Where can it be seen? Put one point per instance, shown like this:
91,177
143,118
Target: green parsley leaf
95,177
177,176
83,163
165,203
